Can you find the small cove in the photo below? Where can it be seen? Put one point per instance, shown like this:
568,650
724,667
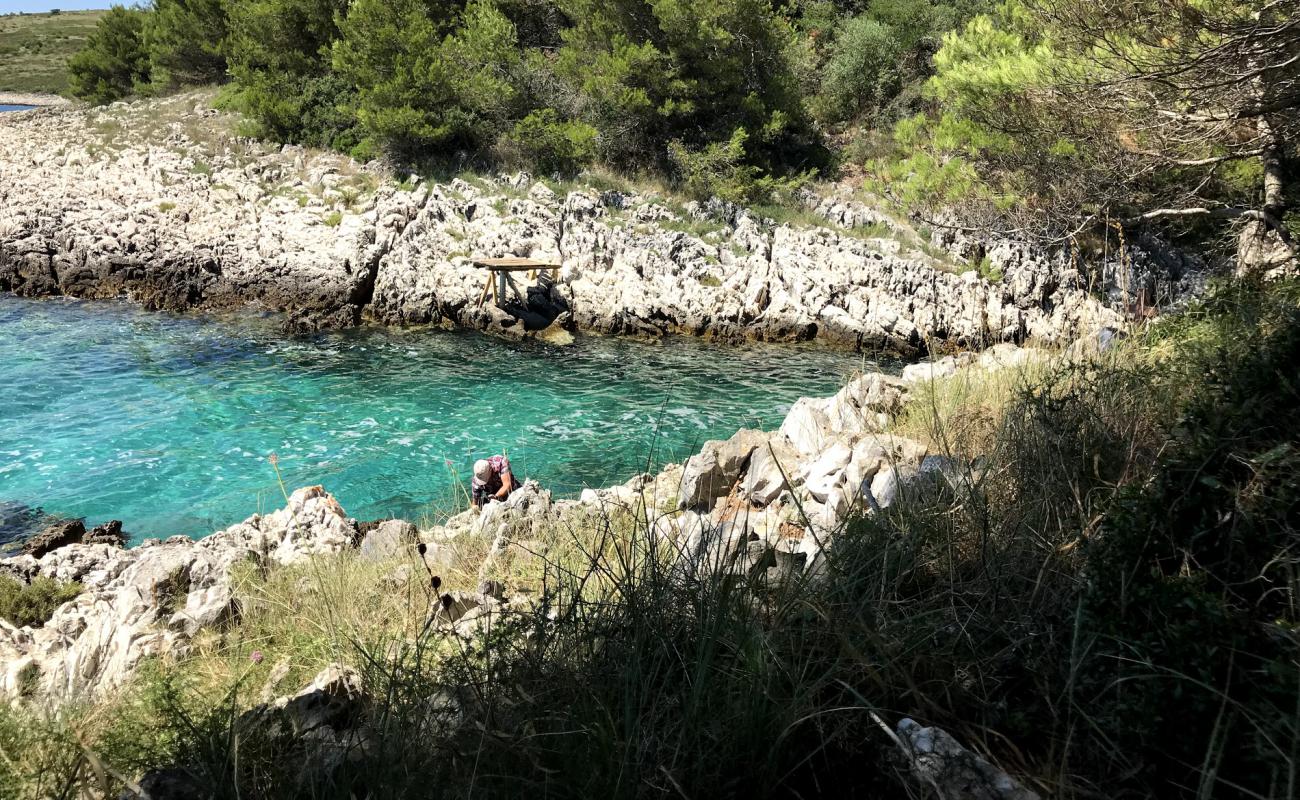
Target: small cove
168,422
14,107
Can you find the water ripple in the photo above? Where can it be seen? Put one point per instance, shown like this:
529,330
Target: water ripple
166,422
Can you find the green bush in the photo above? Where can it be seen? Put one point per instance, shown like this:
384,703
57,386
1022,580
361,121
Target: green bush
722,170
114,61
278,52
33,604
1192,590
186,41
862,71
427,80
554,146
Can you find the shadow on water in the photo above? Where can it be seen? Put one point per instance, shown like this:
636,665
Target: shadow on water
18,522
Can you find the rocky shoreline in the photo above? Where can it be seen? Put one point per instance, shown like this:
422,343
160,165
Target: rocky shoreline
769,501
160,202
29,99
764,507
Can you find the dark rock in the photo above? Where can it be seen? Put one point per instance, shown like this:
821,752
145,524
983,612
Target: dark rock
55,536
109,533
165,784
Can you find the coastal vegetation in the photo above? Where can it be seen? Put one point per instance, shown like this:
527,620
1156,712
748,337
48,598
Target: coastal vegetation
32,603
1048,118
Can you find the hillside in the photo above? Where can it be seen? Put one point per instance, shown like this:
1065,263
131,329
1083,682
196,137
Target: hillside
34,49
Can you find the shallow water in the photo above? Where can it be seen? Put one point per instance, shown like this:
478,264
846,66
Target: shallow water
167,422
10,107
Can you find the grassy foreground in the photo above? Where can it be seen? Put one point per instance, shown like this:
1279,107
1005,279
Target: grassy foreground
35,48
1107,604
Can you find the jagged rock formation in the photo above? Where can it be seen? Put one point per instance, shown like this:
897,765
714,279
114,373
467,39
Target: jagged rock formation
150,600
153,202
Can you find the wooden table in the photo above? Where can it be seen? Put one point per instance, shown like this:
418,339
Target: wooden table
497,269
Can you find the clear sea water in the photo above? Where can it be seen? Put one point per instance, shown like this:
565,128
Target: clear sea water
6,107
168,422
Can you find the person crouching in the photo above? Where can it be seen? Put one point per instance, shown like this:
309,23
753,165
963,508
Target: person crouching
492,480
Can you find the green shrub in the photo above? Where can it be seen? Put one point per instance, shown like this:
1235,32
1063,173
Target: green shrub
862,71
721,170
186,42
1192,590
278,52
554,146
988,270
427,79
33,603
114,62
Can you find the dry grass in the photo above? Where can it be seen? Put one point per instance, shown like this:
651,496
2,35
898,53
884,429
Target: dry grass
963,413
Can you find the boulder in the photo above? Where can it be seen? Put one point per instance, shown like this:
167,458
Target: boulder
915,480
930,370
715,469
60,534
172,783
332,700
771,467
869,457
807,426
865,403
391,539
953,772
110,533
822,475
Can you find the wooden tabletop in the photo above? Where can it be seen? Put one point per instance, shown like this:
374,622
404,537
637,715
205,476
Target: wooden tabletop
513,264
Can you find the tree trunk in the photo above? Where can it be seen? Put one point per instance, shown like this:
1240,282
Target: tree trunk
1263,245
1271,159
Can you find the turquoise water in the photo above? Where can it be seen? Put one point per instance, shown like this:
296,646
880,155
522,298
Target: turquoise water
168,422
5,107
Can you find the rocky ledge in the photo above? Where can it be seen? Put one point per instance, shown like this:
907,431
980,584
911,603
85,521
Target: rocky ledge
162,203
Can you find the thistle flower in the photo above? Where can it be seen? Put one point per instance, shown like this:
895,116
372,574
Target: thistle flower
256,656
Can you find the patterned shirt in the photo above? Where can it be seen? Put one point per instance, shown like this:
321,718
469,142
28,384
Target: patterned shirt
484,489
